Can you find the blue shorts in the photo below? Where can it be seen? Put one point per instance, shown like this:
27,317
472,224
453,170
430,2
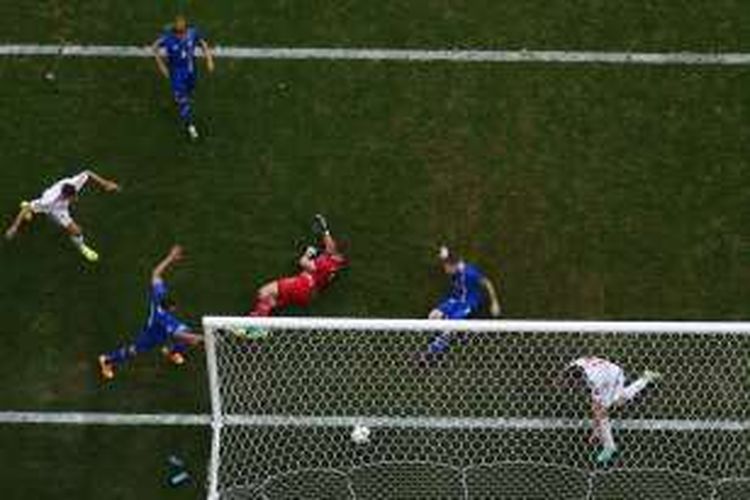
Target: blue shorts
182,83
456,309
148,339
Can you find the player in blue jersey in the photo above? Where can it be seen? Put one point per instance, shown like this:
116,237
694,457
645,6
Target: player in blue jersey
174,51
465,299
162,326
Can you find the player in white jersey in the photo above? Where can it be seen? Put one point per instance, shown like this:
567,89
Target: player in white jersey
606,380
55,203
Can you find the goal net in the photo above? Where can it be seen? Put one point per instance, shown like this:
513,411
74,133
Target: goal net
490,418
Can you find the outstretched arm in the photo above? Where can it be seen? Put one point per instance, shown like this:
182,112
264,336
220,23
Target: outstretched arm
106,184
159,58
320,225
492,292
24,214
208,55
174,255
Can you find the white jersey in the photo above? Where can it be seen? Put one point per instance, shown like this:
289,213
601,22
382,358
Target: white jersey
605,378
52,202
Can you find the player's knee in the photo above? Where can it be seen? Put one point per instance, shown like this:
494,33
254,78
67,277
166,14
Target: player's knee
73,229
436,314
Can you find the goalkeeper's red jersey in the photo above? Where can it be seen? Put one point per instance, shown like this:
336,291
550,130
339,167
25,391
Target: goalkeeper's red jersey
326,267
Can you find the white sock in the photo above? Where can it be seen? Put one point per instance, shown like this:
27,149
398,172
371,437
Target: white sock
77,241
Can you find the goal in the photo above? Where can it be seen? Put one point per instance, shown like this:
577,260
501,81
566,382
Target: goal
488,419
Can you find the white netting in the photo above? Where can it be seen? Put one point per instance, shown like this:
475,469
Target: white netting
489,420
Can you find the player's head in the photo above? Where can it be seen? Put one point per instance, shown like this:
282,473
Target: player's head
180,24
448,259
68,191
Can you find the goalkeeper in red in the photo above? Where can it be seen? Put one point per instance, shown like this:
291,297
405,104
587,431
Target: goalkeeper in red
318,269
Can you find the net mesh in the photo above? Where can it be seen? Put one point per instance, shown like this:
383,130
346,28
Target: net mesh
489,419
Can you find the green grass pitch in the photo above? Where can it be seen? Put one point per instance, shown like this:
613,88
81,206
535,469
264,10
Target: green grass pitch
587,192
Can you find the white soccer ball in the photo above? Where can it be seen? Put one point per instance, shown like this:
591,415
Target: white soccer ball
360,434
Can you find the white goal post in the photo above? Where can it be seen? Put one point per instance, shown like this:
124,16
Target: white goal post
491,417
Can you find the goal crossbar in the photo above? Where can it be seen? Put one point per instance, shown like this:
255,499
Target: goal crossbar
497,326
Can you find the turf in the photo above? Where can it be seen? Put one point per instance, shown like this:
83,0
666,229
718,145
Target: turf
719,25
586,192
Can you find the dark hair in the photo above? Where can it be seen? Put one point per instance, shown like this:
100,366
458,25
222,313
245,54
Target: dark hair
68,190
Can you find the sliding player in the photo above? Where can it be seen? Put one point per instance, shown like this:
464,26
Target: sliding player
318,269
162,326
465,299
55,203
178,43
606,381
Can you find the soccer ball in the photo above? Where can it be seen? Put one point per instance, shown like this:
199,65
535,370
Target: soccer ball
360,434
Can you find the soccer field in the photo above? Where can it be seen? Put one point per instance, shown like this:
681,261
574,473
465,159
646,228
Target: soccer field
587,191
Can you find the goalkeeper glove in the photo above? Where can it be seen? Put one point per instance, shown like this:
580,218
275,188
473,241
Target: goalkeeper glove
320,225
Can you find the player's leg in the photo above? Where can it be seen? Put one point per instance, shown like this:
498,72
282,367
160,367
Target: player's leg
181,88
63,218
182,342
448,309
266,300
608,441
631,391
111,360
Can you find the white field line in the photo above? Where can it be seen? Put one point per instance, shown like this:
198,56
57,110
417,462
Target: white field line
97,418
440,423
414,55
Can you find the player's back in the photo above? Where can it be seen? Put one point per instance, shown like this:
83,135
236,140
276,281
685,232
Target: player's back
466,283
160,321
326,267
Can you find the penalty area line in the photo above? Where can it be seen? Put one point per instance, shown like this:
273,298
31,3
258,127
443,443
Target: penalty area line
409,55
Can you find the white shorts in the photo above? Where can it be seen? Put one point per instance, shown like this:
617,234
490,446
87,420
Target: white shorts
60,215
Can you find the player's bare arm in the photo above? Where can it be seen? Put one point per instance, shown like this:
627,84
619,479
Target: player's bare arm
24,214
159,59
208,54
175,254
106,184
492,292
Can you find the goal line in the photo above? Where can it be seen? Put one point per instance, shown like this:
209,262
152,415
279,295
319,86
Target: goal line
409,55
297,421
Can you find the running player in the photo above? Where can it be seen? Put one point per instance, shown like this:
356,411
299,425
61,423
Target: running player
55,203
162,326
318,269
178,43
606,381
465,299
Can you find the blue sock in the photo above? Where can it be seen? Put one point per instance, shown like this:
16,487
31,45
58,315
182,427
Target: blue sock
119,355
183,106
179,347
439,344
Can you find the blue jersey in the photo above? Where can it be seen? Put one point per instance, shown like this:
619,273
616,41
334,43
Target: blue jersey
466,284
180,50
161,324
